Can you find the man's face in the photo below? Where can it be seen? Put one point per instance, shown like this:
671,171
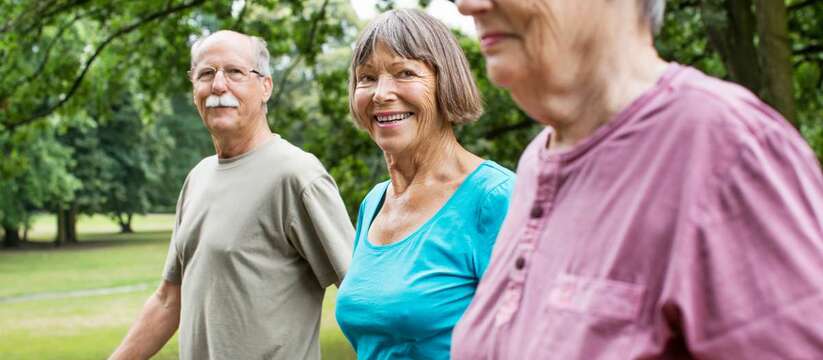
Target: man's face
228,91
529,44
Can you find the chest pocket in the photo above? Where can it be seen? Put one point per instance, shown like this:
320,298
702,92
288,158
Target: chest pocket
596,297
593,313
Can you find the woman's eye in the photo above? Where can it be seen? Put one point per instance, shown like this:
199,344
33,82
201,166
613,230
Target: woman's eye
365,78
407,73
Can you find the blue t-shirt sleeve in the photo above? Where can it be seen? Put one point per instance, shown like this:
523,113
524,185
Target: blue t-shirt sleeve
493,210
359,227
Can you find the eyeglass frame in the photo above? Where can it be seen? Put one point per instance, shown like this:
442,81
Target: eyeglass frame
190,73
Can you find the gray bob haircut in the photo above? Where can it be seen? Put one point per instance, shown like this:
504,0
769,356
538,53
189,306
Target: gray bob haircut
653,11
261,51
413,34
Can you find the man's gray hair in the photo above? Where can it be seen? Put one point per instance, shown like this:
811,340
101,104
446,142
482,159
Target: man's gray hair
653,11
260,49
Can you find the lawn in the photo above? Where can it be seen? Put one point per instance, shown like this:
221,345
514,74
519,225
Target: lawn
52,305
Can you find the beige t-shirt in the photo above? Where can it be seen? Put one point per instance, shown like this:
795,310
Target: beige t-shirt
257,239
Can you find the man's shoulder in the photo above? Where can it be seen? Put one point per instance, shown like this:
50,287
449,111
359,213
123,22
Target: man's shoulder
205,164
291,163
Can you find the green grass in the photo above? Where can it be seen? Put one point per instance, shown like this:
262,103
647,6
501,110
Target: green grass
56,326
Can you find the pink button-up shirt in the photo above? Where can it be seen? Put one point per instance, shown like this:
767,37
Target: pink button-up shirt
689,226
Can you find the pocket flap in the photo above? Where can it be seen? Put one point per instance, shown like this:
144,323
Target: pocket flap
601,297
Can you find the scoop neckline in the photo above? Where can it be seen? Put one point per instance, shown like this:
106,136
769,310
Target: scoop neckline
425,224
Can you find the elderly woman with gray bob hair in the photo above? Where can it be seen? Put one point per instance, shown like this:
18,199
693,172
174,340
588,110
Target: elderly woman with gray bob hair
423,237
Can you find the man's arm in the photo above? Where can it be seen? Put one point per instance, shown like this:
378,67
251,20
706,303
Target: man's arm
156,324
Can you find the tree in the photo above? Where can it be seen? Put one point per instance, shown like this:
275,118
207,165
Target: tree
771,47
151,37
88,69
46,181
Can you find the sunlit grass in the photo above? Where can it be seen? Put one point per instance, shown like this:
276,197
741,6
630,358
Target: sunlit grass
90,327
44,225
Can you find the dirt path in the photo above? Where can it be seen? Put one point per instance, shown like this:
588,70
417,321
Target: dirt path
48,295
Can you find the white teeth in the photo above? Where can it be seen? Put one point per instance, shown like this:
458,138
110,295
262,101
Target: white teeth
393,117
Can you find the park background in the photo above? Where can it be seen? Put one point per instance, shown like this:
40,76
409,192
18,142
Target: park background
97,133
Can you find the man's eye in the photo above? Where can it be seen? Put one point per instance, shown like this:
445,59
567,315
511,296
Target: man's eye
205,74
233,71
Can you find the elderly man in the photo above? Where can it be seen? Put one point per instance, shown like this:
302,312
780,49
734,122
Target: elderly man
662,213
260,230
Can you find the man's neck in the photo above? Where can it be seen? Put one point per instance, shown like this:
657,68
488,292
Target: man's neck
232,145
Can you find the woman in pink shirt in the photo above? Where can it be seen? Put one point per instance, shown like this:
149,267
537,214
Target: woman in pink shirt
662,213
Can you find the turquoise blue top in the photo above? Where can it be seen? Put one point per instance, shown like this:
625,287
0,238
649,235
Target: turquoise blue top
401,300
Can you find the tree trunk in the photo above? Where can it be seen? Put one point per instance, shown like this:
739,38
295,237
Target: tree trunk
26,226
776,57
71,225
125,223
12,237
62,216
731,28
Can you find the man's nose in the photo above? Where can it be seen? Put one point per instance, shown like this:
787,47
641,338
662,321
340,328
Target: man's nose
218,84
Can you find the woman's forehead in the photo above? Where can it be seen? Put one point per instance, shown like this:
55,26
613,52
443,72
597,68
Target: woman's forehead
383,55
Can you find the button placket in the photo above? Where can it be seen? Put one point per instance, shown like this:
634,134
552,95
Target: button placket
510,301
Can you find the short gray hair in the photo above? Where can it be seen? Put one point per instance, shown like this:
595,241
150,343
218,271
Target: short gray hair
413,34
653,11
260,49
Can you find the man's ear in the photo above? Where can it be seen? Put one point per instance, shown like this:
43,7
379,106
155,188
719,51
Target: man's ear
267,84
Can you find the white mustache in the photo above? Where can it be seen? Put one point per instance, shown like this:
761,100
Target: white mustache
227,100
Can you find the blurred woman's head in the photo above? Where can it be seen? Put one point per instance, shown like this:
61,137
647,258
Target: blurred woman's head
539,47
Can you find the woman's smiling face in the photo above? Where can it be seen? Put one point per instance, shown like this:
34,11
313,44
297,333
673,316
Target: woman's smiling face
395,100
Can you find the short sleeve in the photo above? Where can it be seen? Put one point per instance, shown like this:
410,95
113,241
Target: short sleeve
493,211
172,271
321,230
749,274
173,268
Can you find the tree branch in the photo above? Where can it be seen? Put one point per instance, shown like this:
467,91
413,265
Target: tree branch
808,50
281,86
41,14
801,4
79,79
298,58
241,15
46,55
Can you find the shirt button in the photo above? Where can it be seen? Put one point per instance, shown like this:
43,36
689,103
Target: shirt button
519,263
536,212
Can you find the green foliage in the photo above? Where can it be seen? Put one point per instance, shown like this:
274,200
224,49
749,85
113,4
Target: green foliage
46,179
684,39
101,75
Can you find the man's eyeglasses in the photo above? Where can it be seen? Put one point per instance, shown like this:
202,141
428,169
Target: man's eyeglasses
231,73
